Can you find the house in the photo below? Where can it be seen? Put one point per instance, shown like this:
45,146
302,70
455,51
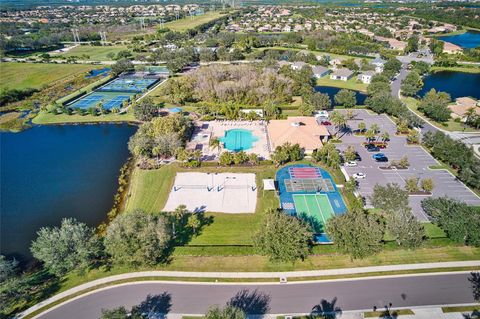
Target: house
298,65
462,106
335,62
302,130
343,74
320,71
451,48
379,64
366,77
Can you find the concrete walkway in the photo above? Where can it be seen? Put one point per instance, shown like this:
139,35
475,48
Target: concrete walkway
282,276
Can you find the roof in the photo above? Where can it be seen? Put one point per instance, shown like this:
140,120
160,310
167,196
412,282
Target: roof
378,60
343,72
320,69
463,105
303,130
269,184
299,64
368,73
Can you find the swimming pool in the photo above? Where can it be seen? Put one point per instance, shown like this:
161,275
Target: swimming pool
237,140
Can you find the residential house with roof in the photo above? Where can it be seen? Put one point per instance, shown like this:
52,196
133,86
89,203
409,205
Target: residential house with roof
451,48
320,71
379,64
302,130
366,77
462,106
298,65
342,74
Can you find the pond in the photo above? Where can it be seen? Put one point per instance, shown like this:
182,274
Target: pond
467,40
52,172
457,84
331,91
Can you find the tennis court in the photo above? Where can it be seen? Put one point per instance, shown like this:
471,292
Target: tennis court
314,208
109,100
310,193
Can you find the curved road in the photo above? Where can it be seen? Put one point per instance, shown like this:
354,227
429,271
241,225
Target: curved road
348,294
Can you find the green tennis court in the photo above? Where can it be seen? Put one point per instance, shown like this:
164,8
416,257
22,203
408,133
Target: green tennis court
314,208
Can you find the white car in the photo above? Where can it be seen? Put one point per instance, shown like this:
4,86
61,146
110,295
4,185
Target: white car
359,175
322,114
351,164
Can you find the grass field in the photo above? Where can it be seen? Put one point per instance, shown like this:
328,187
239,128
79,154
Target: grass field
190,23
332,55
95,53
351,84
49,118
36,75
465,69
149,191
451,125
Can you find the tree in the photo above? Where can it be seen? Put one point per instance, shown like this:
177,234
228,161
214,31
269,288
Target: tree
346,98
194,222
72,246
412,44
287,153
435,105
145,110
350,153
356,233
240,158
282,237
460,221
319,101
8,268
306,109
215,143
370,135
178,217
411,84
411,184
391,67
413,137
166,145
226,158
389,198
407,231
427,185
339,120
362,127
137,238
117,313
385,136
122,65
229,312
403,162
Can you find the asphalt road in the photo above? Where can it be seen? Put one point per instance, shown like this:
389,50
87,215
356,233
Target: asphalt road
194,298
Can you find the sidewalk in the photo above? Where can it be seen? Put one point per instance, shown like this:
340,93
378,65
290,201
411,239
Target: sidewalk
250,275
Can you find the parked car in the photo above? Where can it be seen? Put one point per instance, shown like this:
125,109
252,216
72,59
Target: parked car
373,149
359,175
323,114
351,164
325,123
380,157
358,158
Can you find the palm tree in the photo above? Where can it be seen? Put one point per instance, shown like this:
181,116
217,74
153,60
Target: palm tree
375,127
178,215
385,136
470,112
338,120
370,135
362,127
215,143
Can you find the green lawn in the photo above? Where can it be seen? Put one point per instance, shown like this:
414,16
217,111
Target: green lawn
149,191
49,118
190,23
36,75
451,125
465,69
332,55
352,84
95,53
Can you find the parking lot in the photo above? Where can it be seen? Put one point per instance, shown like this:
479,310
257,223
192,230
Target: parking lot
445,184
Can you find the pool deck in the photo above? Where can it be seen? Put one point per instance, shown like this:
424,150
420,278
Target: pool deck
206,130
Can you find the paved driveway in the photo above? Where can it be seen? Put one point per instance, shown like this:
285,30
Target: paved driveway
445,183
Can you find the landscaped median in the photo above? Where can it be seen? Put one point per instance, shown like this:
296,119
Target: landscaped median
394,270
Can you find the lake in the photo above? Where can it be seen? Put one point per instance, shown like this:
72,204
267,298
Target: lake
457,84
467,40
331,91
52,172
